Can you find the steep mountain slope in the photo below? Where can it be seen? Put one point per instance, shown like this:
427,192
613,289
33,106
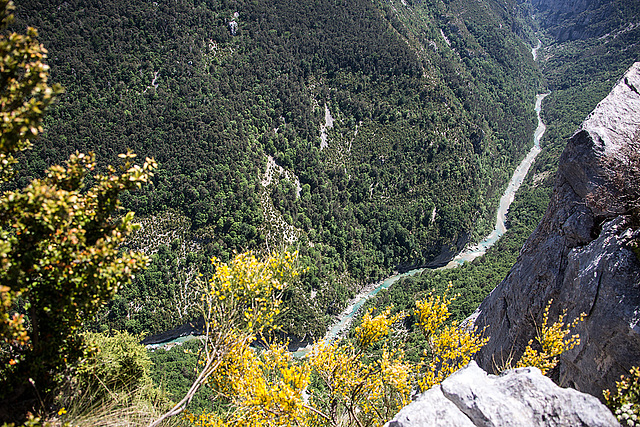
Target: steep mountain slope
391,126
582,253
584,19
580,71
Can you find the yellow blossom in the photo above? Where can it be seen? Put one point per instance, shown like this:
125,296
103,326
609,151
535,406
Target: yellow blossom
551,341
450,347
372,329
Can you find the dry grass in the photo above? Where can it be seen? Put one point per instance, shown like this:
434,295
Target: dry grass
138,407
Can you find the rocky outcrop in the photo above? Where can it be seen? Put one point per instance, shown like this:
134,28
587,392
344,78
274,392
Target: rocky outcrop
579,255
233,28
518,397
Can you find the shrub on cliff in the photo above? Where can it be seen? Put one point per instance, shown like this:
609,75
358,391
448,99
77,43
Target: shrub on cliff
621,193
625,402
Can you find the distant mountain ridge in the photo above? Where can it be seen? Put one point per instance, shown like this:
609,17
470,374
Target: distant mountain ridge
583,19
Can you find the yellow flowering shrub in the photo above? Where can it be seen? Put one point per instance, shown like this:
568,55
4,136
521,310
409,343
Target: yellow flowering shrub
351,386
264,389
397,377
204,419
372,329
552,341
432,312
450,347
340,383
359,391
240,302
625,403
271,388
245,294
237,367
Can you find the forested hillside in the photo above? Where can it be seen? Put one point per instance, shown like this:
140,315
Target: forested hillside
370,135
584,53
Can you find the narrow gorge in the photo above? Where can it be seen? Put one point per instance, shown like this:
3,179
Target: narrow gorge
470,253
581,254
583,257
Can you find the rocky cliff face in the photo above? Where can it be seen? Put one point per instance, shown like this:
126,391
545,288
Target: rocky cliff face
565,6
580,254
578,19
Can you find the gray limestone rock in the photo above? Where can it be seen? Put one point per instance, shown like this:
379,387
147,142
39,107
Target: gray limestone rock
431,409
518,397
579,255
233,27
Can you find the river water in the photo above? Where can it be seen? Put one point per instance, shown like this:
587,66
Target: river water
520,173
469,254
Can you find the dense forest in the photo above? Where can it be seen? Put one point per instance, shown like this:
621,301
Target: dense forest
370,136
579,70
392,129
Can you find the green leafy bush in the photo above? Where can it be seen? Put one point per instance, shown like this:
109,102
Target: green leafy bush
113,363
60,255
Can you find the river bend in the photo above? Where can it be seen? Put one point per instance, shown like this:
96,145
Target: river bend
469,254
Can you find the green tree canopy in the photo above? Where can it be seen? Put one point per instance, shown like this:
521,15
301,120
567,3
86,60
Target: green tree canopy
59,238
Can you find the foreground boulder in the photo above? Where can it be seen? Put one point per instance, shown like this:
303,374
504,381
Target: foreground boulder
581,254
518,397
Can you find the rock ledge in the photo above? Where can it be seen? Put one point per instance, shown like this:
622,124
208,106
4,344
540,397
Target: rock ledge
518,397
